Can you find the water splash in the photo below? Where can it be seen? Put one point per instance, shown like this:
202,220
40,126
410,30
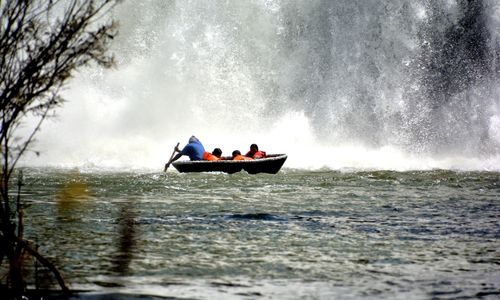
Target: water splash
338,84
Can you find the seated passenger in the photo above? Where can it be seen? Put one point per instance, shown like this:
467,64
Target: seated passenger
237,156
215,155
255,152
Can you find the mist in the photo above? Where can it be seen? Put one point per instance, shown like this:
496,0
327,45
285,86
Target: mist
334,84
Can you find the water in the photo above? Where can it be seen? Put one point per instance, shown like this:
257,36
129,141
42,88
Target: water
390,115
296,235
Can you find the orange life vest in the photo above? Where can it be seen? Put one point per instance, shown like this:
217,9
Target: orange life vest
257,154
209,156
241,157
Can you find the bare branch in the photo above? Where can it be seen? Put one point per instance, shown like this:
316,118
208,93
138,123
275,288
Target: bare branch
42,44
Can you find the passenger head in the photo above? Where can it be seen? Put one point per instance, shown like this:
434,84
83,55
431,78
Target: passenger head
236,153
217,152
254,147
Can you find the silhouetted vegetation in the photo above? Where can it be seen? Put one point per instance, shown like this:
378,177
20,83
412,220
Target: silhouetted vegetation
42,44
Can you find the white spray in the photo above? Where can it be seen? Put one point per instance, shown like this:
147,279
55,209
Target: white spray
331,83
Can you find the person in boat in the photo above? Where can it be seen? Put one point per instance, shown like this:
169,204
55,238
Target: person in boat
214,156
194,149
255,152
237,156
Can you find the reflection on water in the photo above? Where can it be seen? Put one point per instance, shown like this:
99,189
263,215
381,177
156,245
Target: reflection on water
291,235
125,240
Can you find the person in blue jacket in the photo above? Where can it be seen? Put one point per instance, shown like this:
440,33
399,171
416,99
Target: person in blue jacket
194,149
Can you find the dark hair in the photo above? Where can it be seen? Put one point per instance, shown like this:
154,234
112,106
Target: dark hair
236,152
254,146
217,152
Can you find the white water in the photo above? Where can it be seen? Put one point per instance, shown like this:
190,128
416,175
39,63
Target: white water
334,85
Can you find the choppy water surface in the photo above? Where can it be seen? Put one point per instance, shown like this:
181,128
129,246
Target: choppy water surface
297,234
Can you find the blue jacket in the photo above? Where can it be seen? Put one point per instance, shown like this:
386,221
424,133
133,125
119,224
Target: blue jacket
194,149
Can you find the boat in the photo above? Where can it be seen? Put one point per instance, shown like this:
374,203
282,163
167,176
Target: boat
271,164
